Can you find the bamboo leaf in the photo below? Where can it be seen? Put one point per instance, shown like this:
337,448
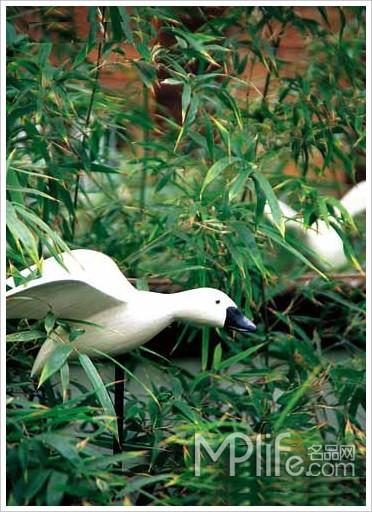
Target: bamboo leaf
186,97
65,381
217,355
100,390
55,361
295,398
117,31
62,444
125,23
21,233
49,322
249,241
44,52
348,248
237,358
283,242
272,200
136,484
186,411
216,169
132,375
13,184
57,485
24,336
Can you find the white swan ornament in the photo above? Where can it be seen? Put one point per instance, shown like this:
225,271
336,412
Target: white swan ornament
91,288
321,238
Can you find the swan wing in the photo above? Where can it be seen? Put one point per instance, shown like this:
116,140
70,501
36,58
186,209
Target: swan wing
88,283
66,298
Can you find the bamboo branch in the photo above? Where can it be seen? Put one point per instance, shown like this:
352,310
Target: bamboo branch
145,140
89,112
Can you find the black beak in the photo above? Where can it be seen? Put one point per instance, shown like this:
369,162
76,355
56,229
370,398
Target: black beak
236,321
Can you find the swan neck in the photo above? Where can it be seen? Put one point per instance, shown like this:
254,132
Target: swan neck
184,306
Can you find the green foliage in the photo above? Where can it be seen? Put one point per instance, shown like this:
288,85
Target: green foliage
185,200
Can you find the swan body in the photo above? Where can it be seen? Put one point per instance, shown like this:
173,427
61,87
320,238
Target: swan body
91,288
323,239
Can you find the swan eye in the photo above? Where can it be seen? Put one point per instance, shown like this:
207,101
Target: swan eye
218,301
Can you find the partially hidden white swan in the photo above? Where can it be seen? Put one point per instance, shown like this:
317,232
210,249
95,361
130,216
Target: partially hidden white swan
91,288
321,238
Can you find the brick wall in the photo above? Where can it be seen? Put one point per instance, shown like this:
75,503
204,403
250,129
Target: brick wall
69,25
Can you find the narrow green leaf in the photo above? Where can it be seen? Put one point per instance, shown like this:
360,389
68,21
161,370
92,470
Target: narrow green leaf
236,255
283,242
44,52
337,204
295,398
186,97
132,375
224,133
237,185
186,411
272,200
348,248
11,33
238,357
65,381
231,103
216,169
260,202
24,336
13,185
100,390
62,444
49,322
57,485
117,31
94,167
125,23
217,355
55,361
136,484
33,220
209,137
30,191
249,241
36,480
20,232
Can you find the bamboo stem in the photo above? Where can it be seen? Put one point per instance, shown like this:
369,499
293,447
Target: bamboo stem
142,201
89,114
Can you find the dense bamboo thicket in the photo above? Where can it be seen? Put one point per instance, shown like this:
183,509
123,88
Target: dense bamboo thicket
157,135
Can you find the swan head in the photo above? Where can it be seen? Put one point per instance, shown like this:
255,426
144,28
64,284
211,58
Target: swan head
208,306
